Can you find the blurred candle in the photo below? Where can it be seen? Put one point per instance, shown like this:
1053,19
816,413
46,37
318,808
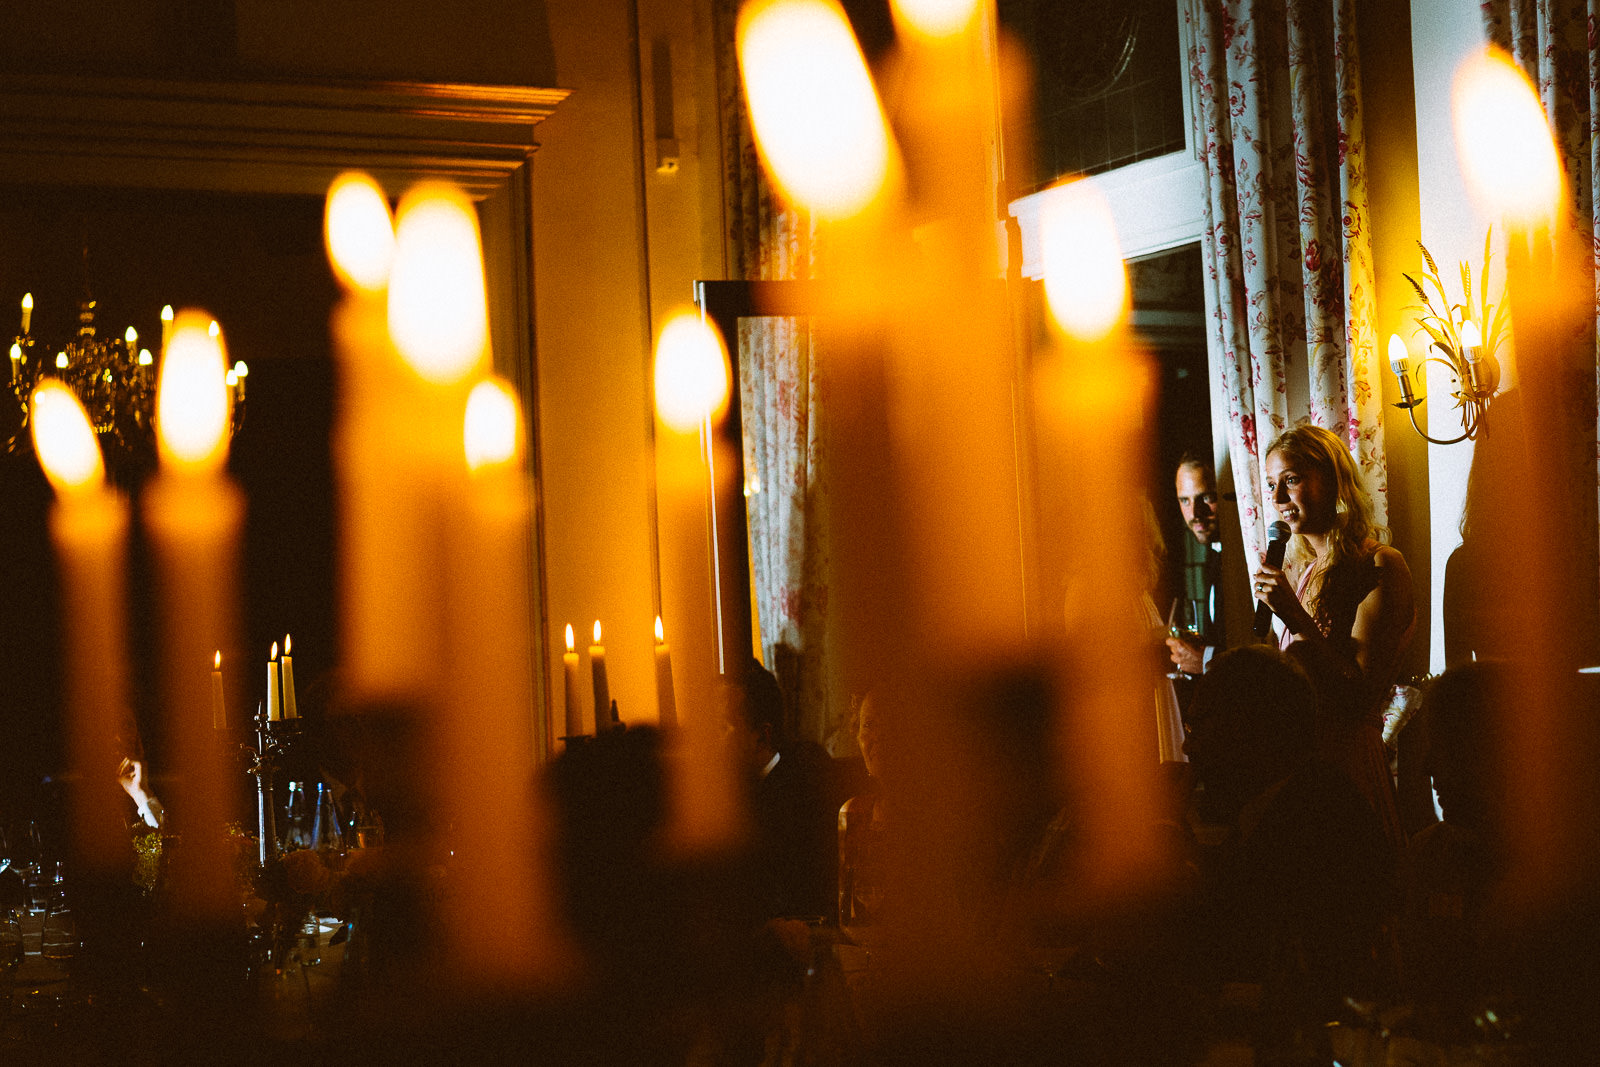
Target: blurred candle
488,734
219,713
602,689
193,515
166,325
666,700
16,361
1093,400
291,710
569,677
89,528
27,312
274,691
1512,169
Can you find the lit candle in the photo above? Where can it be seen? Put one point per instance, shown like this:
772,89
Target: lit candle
291,710
166,326
666,701
193,516
602,690
1472,353
1093,398
219,714
131,338
16,361
274,703
487,736
27,312
89,527
569,676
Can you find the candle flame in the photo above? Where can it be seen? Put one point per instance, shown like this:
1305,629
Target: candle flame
597,631
16,351
61,361
359,232
661,636
192,415
1399,354
214,330
145,358
816,117
691,372
1085,282
64,440
287,651
934,19
27,301
166,313
1470,336
571,645
1503,140
132,337
438,308
493,425
274,654
216,661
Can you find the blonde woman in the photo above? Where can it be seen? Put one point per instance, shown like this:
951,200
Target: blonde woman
1344,603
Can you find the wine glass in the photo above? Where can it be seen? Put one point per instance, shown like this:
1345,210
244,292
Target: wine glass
1189,627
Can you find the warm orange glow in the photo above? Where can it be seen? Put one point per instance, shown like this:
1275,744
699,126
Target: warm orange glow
934,19
661,635
816,117
438,308
1085,281
274,654
192,414
64,440
287,650
216,661
1503,140
1470,337
493,422
597,631
359,232
571,644
691,372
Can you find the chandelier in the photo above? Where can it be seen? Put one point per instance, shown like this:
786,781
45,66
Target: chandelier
113,377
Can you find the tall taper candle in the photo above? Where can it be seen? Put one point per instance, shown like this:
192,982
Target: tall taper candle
193,515
291,710
602,690
274,703
666,700
569,677
219,713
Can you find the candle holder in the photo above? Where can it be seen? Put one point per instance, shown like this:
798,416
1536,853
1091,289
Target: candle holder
273,738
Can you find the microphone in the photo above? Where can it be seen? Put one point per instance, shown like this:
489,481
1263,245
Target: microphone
1277,541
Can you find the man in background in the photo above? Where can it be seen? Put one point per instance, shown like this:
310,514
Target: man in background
1200,562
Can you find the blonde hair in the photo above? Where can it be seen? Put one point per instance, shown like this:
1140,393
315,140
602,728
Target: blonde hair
1314,448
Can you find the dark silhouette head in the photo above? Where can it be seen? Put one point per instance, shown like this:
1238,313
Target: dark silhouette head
1251,723
1468,741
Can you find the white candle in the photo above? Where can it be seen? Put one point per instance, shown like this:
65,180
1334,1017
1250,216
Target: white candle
602,690
88,527
27,312
666,700
569,676
219,714
291,710
274,708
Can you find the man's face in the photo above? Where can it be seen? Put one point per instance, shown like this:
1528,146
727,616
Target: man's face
1197,499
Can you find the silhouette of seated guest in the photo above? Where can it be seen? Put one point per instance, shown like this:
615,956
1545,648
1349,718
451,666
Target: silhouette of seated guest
793,848
1457,863
1296,895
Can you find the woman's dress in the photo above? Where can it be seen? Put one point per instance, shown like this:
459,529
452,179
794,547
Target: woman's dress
1350,712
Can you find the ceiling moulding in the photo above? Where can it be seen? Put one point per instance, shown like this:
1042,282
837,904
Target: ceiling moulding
273,137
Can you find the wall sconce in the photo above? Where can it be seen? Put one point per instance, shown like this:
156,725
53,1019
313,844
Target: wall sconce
1456,335
1476,373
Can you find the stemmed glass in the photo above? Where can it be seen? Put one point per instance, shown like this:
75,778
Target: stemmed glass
1189,627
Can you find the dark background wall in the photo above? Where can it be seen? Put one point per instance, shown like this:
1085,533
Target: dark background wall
257,265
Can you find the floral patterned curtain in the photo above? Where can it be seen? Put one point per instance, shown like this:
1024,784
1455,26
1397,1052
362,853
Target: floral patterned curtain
781,408
1289,275
1553,41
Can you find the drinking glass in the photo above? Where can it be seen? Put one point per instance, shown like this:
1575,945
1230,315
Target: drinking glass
1190,626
